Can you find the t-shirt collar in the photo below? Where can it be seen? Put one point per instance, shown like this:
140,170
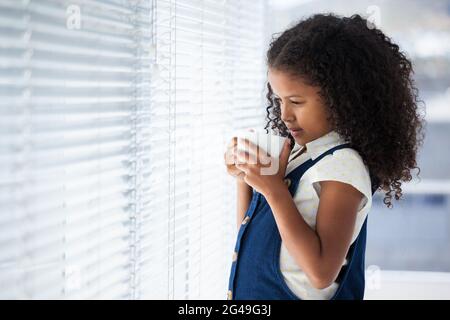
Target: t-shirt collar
318,146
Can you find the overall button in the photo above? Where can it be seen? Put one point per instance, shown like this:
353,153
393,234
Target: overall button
247,218
288,182
234,256
229,295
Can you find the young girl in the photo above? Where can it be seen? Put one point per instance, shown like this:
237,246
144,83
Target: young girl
343,94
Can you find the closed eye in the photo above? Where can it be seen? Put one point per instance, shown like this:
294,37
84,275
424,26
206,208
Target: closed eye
278,100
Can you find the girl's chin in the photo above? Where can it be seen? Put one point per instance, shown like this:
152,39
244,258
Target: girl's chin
298,140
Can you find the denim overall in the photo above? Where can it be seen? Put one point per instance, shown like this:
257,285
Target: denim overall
255,271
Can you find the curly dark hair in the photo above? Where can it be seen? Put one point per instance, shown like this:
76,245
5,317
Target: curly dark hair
366,85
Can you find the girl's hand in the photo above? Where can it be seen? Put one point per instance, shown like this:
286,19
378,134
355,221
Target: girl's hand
261,171
230,157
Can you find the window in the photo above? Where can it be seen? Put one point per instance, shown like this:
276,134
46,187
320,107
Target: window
114,118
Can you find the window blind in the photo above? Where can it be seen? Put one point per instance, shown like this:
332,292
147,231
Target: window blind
114,118
210,70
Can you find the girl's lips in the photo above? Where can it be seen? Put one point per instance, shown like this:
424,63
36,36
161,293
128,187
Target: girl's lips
295,132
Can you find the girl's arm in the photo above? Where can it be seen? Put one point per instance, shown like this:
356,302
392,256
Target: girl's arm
320,253
244,197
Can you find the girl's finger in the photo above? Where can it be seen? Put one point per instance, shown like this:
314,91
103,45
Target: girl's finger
231,144
229,158
248,146
261,156
246,157
242,167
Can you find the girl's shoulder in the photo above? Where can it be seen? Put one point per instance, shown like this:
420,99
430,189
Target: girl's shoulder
345,161
344,165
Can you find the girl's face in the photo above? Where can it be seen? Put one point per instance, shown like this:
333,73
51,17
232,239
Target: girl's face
301,106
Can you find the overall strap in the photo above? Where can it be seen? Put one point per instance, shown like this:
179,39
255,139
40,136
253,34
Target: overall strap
331,151
295,175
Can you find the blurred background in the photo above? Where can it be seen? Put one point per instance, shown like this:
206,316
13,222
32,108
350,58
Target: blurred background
114,116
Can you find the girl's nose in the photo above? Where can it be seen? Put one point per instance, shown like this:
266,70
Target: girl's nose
286,114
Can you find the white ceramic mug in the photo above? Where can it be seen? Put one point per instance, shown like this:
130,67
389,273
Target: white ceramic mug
269,142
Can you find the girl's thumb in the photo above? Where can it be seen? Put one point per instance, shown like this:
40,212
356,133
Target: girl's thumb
287,148
287,144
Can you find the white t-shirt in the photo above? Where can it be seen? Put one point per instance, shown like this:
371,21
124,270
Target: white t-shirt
345,165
